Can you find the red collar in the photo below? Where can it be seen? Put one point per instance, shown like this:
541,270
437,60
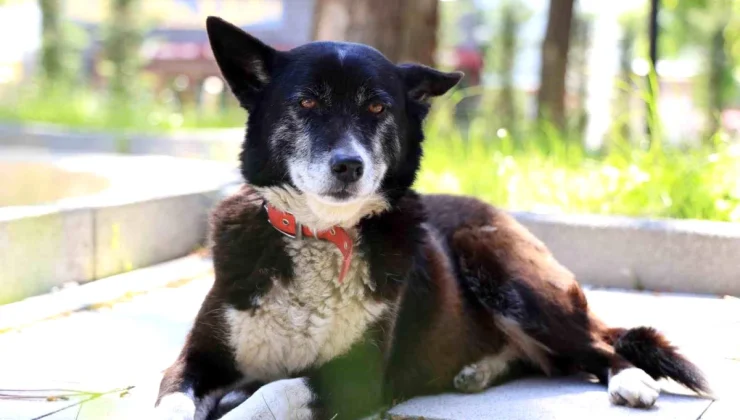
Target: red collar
285,223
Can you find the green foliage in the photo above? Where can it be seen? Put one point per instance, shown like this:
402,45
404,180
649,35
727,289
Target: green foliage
52,39
712,26
88,109
61,45
122,40
541,171
503,103
578,69
692,22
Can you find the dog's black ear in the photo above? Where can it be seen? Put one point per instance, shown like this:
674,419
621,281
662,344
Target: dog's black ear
423,83
245,62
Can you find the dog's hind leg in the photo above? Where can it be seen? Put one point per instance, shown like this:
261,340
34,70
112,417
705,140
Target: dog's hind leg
480,375
647,354
626,383
631,361
539,307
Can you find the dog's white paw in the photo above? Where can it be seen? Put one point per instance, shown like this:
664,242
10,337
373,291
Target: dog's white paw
633,387
177,406
472,378
286,399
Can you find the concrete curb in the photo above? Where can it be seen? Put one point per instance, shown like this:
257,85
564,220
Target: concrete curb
156,209
103,292
42,251
215,144
663,255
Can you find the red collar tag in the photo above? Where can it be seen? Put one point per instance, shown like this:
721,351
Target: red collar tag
286,224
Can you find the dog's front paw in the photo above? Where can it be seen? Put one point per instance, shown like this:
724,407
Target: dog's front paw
472,378
177,406
285,399
633,387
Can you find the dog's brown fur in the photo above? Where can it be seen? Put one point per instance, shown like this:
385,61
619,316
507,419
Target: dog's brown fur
486,283
438,287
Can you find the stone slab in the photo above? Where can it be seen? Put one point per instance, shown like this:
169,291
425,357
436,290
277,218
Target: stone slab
218,144
52,137
44,250
664,255
140,234
154,209
543,399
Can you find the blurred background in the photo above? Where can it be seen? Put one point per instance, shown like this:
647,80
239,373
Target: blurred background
588,106
118,135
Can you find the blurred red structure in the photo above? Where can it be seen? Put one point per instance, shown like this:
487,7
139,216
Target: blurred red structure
469,61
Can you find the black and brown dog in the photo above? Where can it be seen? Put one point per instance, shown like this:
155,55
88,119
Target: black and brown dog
339,290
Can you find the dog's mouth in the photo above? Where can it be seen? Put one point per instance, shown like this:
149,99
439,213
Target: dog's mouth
340,196
337,197
337,193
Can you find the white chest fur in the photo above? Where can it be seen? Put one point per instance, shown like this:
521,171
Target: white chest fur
309,322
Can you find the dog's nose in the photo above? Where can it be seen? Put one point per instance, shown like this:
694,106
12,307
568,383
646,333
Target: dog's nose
347,168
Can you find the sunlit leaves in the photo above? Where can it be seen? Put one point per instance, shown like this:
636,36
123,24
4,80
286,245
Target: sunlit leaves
545,172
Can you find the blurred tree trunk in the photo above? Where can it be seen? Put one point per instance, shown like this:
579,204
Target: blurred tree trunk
716,82
551,96
578,67
52,42
501,57
122,46
720,87
625,85
403,30
653,122
510,24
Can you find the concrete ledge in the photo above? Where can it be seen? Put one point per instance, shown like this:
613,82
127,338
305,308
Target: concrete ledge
662,255
155,209
44,249
217,144
137,235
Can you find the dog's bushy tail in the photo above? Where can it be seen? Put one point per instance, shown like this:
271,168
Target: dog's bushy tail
650,351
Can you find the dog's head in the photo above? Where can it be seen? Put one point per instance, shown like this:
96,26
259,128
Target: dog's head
334,129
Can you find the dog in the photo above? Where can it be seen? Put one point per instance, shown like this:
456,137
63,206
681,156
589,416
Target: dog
340,291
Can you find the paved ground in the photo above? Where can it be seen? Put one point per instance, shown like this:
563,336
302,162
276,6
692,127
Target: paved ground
107,348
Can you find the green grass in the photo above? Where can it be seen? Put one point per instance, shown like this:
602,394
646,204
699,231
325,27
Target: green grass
87,109
539,170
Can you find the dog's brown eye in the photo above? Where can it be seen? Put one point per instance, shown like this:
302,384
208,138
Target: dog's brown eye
376,108
308,103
